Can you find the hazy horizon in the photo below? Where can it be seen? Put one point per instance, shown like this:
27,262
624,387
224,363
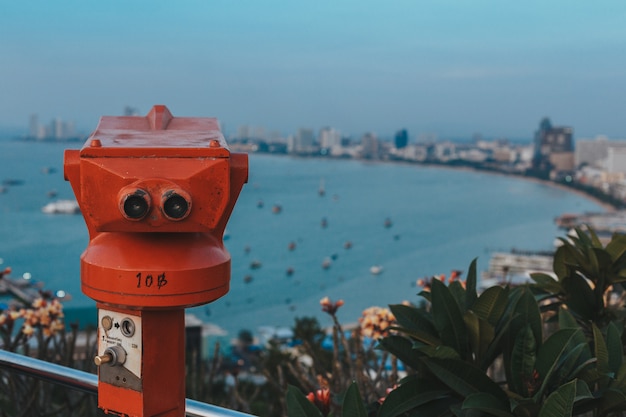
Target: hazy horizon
449,68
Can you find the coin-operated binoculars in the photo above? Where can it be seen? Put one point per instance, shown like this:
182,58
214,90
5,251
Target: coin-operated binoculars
156,193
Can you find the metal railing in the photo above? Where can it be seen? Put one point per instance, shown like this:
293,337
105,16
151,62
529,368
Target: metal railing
86,382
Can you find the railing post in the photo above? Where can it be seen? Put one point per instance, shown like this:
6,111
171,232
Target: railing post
86,382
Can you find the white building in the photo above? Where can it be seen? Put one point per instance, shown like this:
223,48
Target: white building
595,151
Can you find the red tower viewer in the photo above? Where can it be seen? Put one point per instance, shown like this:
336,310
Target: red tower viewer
156,193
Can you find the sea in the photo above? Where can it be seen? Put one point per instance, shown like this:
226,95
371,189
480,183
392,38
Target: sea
408,220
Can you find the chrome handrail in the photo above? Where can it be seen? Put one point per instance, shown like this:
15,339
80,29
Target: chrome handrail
86,382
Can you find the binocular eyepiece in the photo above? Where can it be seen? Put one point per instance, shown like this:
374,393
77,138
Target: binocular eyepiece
135,205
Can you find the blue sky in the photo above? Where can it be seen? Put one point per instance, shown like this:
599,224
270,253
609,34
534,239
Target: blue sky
449,67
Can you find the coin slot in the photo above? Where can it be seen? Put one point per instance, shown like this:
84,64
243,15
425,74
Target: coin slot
127,327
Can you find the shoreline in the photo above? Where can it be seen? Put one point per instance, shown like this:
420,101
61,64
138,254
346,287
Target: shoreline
607,207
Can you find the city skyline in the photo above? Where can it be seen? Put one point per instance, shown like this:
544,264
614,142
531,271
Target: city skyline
448,68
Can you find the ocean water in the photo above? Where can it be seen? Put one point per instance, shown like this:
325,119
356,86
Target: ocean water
441,219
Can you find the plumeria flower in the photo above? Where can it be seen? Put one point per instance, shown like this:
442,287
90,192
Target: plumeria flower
329,307
14,315
321,399
27,329
376,321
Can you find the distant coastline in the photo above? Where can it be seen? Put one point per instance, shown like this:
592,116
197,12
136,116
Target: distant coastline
606,205
607,202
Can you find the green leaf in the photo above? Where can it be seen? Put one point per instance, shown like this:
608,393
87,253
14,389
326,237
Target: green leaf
440,352
582,391
617,246
550,354
600,350
486,403
561,402
566,320
612,400
414,319
470,286
558,264
464,378
584,241
580,298
594,267
402,348
298,405
614,347
480,335
523,359
448,319
527,311
546,282
619,383
595,241
411,394
458,292
574,256
574,361
352,405
491,304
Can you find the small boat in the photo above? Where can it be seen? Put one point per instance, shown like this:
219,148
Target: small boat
48,170
324,223
277,209
326,263
52,193
347,244
247,279
290,271
255,264
291,246
322,190
376,269
260,204
12,182
61,207
388,223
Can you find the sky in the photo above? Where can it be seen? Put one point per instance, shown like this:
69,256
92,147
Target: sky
452,68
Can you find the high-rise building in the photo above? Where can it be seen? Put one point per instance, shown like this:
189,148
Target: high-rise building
243,132
33,126
303,141
329,138
595,152
369,146
401,139
554,150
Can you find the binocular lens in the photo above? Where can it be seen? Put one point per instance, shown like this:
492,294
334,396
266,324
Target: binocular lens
135,207
175,206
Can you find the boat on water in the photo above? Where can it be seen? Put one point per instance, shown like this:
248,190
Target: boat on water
376,269
326,263
322,190
61,207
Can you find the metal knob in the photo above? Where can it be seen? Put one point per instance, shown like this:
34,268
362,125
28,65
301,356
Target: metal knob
114,355
102,359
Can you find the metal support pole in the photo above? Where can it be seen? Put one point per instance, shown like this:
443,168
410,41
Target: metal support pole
86,382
